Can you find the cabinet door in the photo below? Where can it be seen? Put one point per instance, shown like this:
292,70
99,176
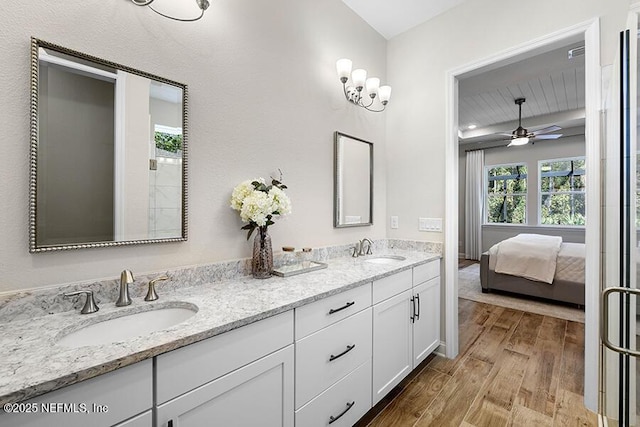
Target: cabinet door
259,394
392,335
98,402
426,326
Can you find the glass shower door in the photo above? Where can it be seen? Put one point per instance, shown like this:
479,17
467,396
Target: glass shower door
622,223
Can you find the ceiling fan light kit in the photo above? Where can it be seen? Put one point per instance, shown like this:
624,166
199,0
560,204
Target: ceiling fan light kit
522,136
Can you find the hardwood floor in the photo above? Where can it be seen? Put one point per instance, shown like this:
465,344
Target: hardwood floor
514,369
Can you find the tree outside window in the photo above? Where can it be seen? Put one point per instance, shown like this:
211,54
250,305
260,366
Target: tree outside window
506,194
168,141
562,191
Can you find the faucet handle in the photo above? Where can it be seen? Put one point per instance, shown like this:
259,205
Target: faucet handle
151,294
90,305
355,250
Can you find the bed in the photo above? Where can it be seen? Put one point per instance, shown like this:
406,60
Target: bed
567,284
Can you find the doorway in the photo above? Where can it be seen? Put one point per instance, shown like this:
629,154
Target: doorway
590,34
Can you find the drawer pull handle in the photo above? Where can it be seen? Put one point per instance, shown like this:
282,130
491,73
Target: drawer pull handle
418,312
349,348
347,305
333,419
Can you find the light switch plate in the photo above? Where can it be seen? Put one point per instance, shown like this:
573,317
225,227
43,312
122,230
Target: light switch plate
430,224
394,222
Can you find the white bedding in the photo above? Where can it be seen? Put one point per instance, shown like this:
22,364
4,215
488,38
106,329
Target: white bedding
569,262
532,256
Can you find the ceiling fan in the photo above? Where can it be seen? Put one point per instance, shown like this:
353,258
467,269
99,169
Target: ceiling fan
522,136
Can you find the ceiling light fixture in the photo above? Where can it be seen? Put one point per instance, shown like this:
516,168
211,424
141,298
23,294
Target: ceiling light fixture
202,4
354,94
519,141
472,127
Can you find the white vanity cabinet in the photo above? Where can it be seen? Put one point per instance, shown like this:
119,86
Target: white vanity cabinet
426,307
121,398
333,359
392,332
241,378
406,324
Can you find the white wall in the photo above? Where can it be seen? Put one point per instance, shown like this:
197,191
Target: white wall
418,61
530,155
263,95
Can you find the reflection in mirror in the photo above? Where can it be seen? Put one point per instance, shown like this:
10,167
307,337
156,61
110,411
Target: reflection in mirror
353,181
108,153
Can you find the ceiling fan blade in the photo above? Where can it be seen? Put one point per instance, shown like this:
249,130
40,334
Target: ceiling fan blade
546,130
503,133
549,136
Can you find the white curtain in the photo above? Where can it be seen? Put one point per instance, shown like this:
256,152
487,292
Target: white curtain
474,202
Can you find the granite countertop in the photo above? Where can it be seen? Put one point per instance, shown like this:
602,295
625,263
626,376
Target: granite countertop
33,364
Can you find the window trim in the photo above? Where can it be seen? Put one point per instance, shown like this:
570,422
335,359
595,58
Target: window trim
485,210
539,189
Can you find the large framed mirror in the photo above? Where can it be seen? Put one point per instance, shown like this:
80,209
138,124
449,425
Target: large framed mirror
108,153
353,181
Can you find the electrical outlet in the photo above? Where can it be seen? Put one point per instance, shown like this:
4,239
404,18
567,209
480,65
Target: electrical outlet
394,222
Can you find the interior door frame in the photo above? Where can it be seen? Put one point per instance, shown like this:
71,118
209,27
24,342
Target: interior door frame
590,30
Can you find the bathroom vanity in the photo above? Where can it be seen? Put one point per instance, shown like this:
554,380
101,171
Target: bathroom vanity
308,350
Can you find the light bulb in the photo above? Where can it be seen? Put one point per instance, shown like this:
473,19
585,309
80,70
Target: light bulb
372,85
384,92
359,76
343,66
519,141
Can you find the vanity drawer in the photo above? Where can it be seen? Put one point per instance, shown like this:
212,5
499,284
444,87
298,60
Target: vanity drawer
351,397
391,285
330,354
425,272
317,315
186,368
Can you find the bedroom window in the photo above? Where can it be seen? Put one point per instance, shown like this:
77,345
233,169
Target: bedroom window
506,194
562,191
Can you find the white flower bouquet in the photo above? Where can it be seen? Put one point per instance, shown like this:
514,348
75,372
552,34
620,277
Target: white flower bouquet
259,203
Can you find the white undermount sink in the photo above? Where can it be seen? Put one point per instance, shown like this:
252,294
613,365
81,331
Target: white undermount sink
128,326
385,259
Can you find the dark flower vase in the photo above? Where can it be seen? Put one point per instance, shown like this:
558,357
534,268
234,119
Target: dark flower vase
262,261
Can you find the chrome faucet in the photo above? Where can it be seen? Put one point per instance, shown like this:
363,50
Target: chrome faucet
358,249
126,278
369,244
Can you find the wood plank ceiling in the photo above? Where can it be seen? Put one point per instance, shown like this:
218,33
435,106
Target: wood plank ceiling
551,83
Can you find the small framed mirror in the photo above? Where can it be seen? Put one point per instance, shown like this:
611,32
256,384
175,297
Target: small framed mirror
353,181
108,153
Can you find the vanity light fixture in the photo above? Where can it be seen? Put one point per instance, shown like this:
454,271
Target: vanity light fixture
354,92
202,4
